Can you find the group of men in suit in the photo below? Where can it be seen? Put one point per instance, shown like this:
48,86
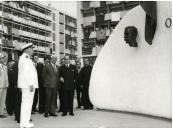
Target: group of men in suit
33,81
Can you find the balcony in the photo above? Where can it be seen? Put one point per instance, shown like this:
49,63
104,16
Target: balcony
41,37
47,50
33,12
72,24
26,21
49,28
67,51
34,23
42,26
41,15
42,49
49,17
67,32
25,33
33,35
48,39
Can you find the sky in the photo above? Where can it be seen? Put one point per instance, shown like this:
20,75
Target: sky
69,7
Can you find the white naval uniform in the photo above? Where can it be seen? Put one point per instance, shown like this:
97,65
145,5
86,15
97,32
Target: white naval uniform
27,75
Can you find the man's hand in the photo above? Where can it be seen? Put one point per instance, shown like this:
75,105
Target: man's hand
31,87
62,79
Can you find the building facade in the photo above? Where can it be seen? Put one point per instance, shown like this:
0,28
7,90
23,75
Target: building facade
97,19
50,30
23,22
64,34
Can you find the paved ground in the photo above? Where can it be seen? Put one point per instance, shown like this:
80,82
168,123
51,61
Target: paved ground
92,119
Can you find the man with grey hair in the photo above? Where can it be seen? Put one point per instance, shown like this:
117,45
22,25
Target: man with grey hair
51,83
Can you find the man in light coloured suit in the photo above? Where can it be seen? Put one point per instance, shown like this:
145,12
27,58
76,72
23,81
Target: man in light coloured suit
27,81
3,84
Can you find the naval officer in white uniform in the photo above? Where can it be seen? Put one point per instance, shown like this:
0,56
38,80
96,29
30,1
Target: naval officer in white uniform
27,81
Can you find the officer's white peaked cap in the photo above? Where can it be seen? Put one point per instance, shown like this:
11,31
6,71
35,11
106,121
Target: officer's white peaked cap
26,46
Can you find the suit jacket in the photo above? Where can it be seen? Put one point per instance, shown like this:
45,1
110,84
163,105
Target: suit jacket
69,74
40,68
84,76
78,80
50,76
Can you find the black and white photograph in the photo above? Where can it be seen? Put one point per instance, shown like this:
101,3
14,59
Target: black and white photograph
85,64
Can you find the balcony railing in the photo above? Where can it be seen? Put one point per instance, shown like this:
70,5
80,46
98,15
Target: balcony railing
49,28
34,35
41,37
48,17
48,39
40,48
47,50
42,26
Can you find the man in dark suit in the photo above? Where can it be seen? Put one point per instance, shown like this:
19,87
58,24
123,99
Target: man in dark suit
78,86
34,106
68,76
51,83
41,90
10,97
61,90
84,79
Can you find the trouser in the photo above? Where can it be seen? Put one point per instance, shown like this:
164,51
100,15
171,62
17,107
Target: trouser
10,100
41,99
3,92
17,108
78,92
35,101
50,105
61,97
68,101
26,106
86,101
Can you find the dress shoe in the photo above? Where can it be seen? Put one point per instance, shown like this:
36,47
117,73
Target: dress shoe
3,116
35,110
60,111
53,114
63,114
78,107
46,115
71,114
32,113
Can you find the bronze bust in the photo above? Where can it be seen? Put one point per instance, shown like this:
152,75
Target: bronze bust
130,35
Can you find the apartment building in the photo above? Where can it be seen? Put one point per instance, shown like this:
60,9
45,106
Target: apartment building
23,22
64,34
97,19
